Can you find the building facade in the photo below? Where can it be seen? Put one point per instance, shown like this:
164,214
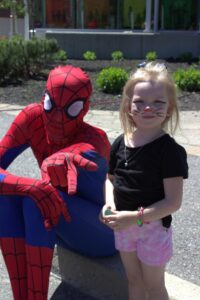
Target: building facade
135,27
117,14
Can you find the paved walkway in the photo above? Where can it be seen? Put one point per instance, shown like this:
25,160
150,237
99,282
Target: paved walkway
188,136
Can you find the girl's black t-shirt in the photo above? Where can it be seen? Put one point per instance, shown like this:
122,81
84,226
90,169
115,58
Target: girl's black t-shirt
140,183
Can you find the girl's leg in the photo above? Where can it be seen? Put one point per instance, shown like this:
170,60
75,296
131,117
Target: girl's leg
154,280
134,274
154,251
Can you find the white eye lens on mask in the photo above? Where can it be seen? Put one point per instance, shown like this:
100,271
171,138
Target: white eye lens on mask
75,108
47,102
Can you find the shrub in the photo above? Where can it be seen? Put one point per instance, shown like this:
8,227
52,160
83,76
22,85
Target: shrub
188,80
111,80
21,59
61,55
89,55
151,56
37,53
12,62
117,55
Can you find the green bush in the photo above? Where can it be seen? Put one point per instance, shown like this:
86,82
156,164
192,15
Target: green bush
111,80
12,58
151,56
21,59
188,80
61,55
117,55
89,55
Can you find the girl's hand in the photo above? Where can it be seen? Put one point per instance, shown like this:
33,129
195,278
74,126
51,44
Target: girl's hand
106,211
121,219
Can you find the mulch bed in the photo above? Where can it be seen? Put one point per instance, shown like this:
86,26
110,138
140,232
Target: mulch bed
31,90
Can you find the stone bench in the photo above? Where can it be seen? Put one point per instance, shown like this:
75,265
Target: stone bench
101,278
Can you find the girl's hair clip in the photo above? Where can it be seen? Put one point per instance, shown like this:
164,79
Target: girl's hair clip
141,65
164,65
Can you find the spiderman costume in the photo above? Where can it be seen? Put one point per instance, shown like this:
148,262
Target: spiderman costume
63,206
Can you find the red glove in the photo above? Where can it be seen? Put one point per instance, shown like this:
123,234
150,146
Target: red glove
61,169
46,197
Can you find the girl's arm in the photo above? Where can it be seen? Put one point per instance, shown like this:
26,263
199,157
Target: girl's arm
173,198
109,199
172,202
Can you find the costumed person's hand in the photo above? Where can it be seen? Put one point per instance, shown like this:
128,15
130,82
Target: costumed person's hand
61,170
45,196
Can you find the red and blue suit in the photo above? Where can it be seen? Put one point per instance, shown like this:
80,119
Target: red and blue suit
63,206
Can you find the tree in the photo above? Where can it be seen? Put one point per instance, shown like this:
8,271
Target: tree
17,8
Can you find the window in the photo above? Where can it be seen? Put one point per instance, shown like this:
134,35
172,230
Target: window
99,14
116,14
133,14
178,14
59,13
96,14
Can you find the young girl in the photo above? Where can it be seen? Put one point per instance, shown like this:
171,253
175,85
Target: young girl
145,180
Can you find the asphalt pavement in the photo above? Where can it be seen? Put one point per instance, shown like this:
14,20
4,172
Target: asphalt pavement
184,267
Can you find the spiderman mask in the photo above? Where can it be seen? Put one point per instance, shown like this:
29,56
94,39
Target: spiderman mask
65,103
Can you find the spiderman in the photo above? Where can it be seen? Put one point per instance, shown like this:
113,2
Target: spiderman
63,206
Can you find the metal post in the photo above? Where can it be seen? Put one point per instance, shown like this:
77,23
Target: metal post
148,16
82,14
13,18
118,14
156,14
26,21
198,16
44,14
11,24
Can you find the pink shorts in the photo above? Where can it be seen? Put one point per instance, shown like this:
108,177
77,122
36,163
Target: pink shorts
152,242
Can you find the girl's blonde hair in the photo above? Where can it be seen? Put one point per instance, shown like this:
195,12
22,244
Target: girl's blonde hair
156,72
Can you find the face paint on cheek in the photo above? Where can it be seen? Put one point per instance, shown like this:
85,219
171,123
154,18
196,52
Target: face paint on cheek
160,114
135,110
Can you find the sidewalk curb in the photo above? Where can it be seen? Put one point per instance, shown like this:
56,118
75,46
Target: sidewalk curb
180,289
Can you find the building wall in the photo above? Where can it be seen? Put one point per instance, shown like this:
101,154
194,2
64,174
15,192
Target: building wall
133,45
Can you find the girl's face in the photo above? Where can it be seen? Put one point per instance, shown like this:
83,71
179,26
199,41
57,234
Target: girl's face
149,105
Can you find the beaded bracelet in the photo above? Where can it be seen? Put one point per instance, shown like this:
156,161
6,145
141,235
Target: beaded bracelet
139,220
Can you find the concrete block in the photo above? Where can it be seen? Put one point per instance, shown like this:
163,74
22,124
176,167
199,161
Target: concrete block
102,278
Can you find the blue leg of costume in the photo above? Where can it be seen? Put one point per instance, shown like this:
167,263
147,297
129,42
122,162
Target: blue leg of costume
85,234
26,246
